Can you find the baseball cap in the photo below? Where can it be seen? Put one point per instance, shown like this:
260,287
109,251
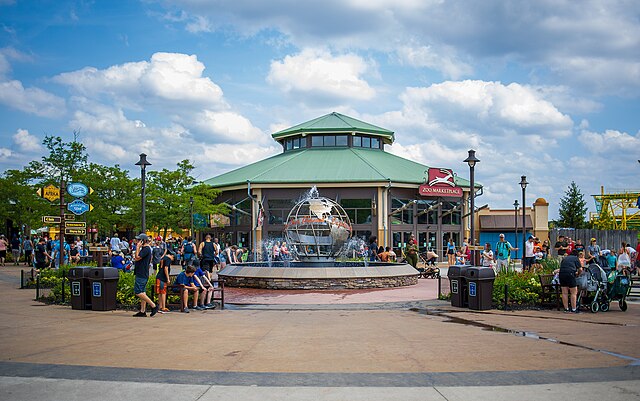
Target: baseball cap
501,235
593,239
530,236
142,236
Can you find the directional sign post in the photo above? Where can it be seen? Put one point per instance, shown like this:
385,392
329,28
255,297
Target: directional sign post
78,190
78,207
76,224
51,219
50,193
75,231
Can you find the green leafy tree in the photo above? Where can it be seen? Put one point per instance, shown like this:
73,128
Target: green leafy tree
573,208
64,161
168,194
113,198
22,205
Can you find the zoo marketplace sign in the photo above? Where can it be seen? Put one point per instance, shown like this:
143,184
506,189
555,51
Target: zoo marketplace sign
440,182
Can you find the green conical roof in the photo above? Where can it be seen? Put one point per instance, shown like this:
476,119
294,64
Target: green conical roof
335,123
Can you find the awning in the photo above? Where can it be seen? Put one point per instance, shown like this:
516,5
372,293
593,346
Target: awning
494,223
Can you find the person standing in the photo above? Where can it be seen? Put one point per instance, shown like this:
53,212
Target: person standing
593,252
27,247
503,252
451,252
114,242
41,255
142,260
188,251
412,253
373,248
570,268
15,249
529,255
487,256
207,253
561,246
3,249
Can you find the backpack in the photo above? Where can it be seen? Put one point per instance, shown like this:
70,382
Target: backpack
188,247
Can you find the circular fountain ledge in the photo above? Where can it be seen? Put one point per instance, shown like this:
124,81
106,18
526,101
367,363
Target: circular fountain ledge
319,276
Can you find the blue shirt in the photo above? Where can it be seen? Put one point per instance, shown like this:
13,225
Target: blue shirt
117,261
611,260
200,273
183,279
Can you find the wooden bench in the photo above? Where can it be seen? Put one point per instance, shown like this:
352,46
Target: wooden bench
176,289
550,293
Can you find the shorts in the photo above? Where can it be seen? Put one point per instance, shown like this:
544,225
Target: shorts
207,265
161,287
140,285
449,251
41,265
3,254
568,280
27,253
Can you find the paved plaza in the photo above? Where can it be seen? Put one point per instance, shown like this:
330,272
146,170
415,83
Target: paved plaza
391,344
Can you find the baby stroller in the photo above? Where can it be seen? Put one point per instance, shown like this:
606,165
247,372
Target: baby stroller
430,269
592,286
619,288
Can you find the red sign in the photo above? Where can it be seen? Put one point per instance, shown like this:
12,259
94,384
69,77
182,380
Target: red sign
440,183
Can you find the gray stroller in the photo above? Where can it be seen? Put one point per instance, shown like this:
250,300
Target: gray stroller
592,288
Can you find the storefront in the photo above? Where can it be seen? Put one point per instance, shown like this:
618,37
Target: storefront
344,158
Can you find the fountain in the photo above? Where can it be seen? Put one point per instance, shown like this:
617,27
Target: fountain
318,233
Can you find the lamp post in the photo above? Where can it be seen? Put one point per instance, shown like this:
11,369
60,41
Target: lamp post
143,163
191,214
515,209
471,160
523,185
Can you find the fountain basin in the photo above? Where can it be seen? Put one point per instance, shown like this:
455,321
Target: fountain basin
324,275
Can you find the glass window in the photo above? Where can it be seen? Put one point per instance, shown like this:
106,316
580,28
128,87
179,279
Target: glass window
316,141
341,140
330,140
289,144
357,141
402,211
366,142
375,143
358,210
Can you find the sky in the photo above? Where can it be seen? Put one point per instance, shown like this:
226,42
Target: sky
549,89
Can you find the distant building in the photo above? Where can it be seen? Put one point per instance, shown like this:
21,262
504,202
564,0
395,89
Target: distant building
345,158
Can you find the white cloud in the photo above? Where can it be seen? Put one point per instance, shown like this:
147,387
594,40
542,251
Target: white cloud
316,72
610,142
426,56
168,77
26,142
226,126
31,100
4,153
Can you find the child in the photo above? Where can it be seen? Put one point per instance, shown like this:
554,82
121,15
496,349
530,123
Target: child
162,278
202,281
612,260
186,282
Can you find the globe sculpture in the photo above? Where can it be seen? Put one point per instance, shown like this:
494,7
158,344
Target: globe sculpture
317,228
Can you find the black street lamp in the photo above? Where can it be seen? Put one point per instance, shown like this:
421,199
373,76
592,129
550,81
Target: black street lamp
523,185
515,209
143,163
471,161
191,209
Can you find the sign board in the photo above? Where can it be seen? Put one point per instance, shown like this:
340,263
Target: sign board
75,224
78,207
51,219
98,249
78,190
97,289
69,216
454,286
50,193
75,288
472,289
75,231
440,182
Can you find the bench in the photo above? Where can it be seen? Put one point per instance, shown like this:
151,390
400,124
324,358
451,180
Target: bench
550,293
176,289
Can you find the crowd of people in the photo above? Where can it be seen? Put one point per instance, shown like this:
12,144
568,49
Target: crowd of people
41,251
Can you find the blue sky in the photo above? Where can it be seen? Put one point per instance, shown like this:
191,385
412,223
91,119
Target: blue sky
546,89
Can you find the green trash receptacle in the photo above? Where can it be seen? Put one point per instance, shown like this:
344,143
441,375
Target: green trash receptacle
480,287
79,284
104,286
458,285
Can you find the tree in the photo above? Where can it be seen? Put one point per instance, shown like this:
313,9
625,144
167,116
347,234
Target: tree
573,208
168,193
64,161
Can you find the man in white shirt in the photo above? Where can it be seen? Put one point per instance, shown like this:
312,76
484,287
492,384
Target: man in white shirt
115,243
529,256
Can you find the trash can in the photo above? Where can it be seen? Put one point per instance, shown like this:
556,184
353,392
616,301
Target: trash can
480,287
458,285
104,285
79,284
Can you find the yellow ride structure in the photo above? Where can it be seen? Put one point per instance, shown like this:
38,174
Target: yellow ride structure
617,211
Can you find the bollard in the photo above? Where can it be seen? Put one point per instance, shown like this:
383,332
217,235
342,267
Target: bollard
21,279
37,287
439,286
63,278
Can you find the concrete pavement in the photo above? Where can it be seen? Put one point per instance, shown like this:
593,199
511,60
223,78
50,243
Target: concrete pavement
411,348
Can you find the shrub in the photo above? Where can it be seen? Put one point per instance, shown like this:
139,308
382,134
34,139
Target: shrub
523,287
